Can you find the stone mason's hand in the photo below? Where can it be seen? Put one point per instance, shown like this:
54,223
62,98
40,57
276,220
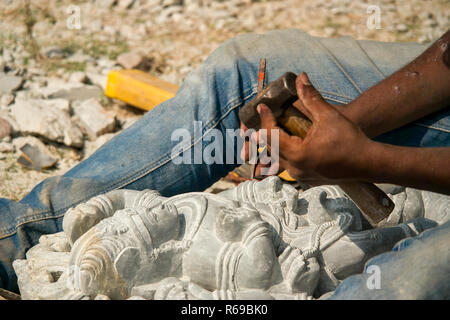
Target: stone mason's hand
80,219
271,165
334,148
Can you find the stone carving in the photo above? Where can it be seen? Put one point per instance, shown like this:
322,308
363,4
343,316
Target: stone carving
260,240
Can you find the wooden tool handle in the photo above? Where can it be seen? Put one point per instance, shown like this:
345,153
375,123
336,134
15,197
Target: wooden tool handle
371,200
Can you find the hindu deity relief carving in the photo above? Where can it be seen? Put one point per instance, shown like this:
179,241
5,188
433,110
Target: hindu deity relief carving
260,240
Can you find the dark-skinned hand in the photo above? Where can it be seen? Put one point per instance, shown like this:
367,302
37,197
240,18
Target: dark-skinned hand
334,149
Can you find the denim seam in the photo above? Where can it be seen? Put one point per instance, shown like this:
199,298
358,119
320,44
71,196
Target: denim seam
155,165
333,97
371,62
340,67
330,80
26,222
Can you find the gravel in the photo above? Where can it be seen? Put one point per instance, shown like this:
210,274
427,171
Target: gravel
167,38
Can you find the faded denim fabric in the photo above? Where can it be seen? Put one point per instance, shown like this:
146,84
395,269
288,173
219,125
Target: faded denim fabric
140,157
416,268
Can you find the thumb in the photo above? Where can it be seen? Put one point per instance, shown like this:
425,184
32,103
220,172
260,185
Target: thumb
311,99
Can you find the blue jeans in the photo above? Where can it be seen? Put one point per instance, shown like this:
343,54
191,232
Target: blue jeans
140,157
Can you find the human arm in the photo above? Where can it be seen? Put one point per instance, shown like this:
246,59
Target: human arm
416,90
336,149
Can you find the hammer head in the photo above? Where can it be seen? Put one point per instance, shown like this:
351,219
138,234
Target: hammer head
278,95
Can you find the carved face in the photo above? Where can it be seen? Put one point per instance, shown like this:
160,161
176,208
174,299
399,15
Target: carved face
231,223
108,257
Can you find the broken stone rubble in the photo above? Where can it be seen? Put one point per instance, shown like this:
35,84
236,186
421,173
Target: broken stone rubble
7,99
20,142
6,147
134,60
5,128
57,88
79,77
208,21
94,118
9,83
49,119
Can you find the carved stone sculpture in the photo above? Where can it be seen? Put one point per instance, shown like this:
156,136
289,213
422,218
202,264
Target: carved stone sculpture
260,240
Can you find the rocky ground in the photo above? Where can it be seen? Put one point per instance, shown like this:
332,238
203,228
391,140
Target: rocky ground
52,75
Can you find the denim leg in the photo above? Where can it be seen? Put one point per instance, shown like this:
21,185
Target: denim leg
417,268
140,157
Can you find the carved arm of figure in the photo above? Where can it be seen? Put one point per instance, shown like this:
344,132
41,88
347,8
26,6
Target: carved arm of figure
176,289
349,255
84,216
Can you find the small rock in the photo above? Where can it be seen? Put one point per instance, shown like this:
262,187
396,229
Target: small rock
329,32
79,77
423,39
2,64
105,3
54,85
99,80
105,64
5,128
81,93
8,56
168,3
54,53
167,13
20,142
125,4
6,147
7,99
94,118
6,115
79,56
47,118
40,149
34,158
133,60
402,27
9,84
430,23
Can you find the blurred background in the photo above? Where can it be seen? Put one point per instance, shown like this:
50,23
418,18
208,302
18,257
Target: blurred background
55,56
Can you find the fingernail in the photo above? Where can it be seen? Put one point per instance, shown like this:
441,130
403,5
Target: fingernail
305,79
258,108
